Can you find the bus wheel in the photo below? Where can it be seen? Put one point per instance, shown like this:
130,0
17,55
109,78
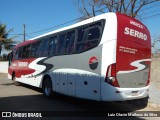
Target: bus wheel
14,80
47,88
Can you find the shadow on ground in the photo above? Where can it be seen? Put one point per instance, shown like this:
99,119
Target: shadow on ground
39,102
68,108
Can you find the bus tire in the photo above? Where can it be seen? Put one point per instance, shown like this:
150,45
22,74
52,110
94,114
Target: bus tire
14,80
47,88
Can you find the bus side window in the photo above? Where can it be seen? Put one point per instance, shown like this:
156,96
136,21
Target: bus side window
28,51
94,33
16,54
20,53
45,47
93,37
82,37
33,50
38,48
88,38
61,44
70,39
52,46
24,50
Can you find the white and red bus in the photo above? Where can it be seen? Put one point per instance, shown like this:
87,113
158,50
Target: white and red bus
104,58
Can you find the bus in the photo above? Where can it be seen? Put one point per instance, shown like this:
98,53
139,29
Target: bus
103,58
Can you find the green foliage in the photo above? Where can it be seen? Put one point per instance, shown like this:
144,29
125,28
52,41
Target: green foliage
4,40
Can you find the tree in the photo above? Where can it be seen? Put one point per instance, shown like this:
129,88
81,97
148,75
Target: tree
89,8
128,7
4,40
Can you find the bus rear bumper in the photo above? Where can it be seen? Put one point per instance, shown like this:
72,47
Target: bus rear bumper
110,93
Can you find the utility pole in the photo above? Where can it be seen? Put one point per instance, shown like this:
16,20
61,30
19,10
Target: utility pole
24,32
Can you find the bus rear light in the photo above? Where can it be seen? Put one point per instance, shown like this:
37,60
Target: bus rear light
148,81
111,75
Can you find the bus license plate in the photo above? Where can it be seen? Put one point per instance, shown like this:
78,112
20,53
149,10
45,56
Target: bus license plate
134,93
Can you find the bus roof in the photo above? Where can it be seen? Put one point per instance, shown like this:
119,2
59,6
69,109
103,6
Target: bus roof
93,19
96,18
25,43
120,14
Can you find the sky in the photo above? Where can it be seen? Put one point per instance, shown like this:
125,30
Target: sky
38,15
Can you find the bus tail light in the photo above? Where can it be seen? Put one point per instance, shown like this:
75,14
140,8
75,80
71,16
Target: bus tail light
148,81
111,75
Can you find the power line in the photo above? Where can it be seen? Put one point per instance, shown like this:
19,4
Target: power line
54,26
26,34
155,15
80,18
151,7
150,12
